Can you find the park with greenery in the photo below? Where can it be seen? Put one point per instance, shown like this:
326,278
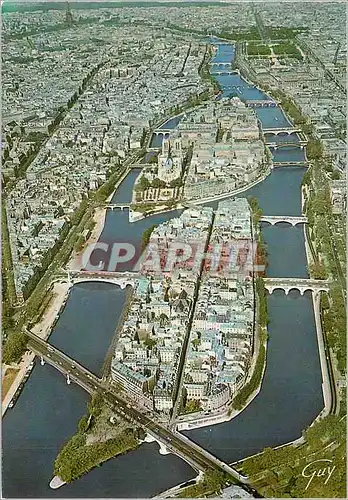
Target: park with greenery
258,49
192,406
81,453
210,485
287,49
283,33
277,472
251,33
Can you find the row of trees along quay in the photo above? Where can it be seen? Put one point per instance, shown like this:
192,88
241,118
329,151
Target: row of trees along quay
146,237
280,34
38,290
278,472
254,382
15,341
210,485
204,69
261,255
329,257
39,287
39,139
262,320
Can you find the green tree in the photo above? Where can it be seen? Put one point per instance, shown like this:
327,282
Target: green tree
14,347
335,175
143,184
317,270
158,183
175,183
314,149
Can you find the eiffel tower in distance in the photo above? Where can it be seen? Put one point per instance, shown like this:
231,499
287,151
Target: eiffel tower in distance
68,15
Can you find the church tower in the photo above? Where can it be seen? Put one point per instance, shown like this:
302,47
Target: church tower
170,160
165,146
177,147
68,15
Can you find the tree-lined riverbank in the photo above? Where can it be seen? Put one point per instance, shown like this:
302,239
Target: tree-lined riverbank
252,430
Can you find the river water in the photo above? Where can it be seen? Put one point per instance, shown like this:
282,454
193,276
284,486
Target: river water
47,412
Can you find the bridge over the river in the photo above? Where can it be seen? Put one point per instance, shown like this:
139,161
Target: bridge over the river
261,103
300,284
121,279
174,442
278,145
218,64
163,131
298,163
275,219
141,165
231,72
115,206
281,130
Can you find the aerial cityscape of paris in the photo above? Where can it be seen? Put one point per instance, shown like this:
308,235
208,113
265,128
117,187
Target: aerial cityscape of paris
174,249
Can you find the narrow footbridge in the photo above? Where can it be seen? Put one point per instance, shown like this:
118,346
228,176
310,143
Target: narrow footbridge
299,163
301,284
279,145
275,219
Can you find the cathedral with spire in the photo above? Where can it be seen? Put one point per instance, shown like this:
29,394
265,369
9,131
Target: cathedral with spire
170,159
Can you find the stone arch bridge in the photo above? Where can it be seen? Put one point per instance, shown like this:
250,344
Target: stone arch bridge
121,279
281,130
275,219
301,284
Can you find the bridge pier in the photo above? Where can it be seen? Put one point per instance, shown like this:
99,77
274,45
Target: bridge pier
163,450
68,381
42,361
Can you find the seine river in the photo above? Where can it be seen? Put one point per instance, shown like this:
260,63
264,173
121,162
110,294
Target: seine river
47,412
